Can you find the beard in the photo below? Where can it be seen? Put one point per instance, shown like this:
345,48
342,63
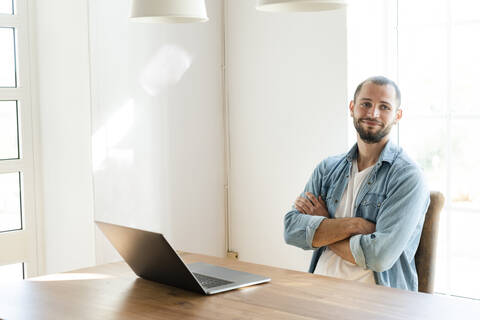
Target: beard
372,136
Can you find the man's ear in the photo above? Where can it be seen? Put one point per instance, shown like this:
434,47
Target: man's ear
398,115
351,105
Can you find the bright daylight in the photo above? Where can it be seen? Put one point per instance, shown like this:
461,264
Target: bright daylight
227,159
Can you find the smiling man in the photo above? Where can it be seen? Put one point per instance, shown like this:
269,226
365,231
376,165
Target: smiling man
363,211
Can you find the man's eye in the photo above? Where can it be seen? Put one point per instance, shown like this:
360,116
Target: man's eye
365,104
385,107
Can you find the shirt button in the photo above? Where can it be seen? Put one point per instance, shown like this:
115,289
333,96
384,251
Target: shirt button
369,182
372,236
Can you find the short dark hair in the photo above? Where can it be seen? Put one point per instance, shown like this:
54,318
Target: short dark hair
381,81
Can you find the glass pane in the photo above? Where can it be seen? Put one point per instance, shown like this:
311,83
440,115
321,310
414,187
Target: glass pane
465,155
465,255
8,130
442,258
12,272
465,10
423,69
6,6
7,57
465,69
424,141
10,202
422,12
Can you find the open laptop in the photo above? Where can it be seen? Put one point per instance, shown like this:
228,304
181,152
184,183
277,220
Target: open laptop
151,257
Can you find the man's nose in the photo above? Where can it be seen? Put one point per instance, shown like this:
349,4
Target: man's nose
374,112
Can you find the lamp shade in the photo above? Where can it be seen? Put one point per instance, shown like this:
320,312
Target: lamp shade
300,5
169,11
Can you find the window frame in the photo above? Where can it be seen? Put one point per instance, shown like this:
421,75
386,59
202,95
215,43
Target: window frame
24,245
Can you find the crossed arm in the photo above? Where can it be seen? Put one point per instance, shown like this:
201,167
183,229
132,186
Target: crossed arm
334,233
378,246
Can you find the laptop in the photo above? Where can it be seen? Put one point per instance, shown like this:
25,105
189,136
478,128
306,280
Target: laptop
151,257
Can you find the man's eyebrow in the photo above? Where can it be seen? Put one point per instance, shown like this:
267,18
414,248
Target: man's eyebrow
366,99
384,102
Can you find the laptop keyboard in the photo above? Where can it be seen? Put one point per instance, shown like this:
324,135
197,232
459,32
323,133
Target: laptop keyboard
210,282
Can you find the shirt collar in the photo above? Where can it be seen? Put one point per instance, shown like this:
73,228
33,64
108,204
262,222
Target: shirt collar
388,154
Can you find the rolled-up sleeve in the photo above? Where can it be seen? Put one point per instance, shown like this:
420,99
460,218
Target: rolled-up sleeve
399,222
299,228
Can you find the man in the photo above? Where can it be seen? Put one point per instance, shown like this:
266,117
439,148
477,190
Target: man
363,211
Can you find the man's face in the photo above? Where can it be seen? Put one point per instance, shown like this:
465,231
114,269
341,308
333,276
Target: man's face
375,112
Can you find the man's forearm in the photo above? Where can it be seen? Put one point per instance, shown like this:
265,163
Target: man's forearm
333,230
342,249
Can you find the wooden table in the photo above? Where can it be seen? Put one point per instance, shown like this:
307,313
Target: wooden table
112,291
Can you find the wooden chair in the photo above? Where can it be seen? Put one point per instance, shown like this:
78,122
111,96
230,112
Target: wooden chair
426,252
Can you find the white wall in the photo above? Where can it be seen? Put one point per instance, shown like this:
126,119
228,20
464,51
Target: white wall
64,110
158,148
287,83
157,130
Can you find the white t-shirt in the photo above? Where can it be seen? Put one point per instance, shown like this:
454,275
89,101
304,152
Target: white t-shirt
330,264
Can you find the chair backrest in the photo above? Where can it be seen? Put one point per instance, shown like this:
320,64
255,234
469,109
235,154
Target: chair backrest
426,252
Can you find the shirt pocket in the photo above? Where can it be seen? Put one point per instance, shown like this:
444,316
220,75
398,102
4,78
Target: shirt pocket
370,205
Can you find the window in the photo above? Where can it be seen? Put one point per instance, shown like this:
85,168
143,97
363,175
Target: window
10,272
429,48
6,6
9,146
439,69
18,229
7,57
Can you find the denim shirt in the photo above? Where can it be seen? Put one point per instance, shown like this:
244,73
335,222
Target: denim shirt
394,197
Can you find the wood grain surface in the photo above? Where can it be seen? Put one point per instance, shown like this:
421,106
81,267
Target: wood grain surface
112,291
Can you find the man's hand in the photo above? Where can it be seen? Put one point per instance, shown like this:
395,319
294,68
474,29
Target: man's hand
312,205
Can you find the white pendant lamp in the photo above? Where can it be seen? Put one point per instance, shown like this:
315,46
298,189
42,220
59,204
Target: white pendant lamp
300,5
169,11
